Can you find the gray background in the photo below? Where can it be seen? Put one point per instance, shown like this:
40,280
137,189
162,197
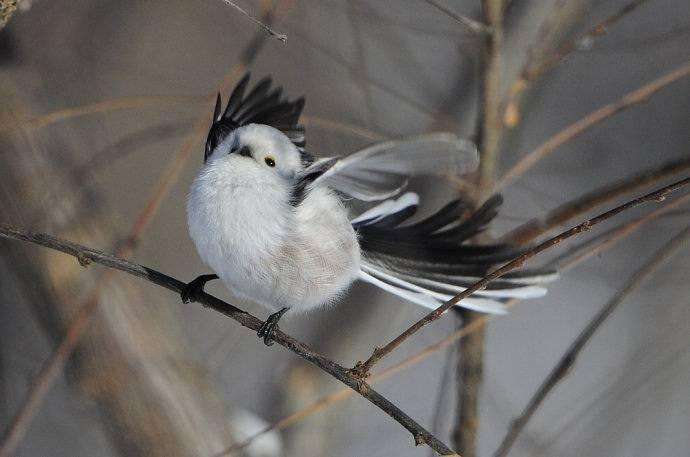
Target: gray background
396,68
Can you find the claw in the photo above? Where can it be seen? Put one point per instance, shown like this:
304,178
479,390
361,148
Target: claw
268,328
195,288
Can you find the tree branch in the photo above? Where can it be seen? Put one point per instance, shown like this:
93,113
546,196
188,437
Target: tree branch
470,363
566,362
362,368
474,26
78,325
562,265
532,229
280,36
86,255
534,69
635,97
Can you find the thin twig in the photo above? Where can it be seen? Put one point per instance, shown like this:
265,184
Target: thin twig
474,26
562,265
86,255
44,379
599,244
532,229
362,368
280,36
566,362
342,127
534,69
42,120
635,97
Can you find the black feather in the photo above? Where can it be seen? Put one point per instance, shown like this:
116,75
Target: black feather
299,190
437,245
260,106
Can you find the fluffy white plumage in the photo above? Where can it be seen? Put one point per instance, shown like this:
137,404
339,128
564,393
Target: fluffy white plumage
262,247
269,219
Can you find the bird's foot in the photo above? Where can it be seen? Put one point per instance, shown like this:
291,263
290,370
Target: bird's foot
194,289
268,328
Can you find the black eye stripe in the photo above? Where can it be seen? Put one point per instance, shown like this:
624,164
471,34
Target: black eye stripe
245,151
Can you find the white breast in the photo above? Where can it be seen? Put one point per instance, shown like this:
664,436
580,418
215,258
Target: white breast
266,250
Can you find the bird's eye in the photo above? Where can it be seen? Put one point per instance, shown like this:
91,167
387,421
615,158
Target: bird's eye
270,162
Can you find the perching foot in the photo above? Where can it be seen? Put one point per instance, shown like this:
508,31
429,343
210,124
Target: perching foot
194,289
268,328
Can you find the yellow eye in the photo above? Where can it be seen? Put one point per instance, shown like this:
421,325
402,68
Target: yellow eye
270,162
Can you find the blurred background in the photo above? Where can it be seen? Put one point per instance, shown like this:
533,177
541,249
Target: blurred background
104,108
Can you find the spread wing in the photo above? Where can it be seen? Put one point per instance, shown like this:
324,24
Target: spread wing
383,169
262,105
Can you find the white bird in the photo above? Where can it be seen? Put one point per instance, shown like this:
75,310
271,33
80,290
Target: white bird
271,220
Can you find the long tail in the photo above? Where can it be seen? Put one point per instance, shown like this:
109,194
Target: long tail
428,262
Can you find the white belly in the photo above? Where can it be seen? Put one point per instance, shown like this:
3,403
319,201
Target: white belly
270,252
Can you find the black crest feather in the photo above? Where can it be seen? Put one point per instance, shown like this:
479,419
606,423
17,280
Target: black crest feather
262,105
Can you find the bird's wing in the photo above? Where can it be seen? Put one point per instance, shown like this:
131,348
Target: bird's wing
383,169
262,105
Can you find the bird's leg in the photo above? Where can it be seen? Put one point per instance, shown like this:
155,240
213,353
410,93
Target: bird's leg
268,328
194,289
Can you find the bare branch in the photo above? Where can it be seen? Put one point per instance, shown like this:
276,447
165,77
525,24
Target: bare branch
280,36
362,368
474,26
533,68
470,364
337,126
532,229
583,253
566,362
86,255
635,97
43,120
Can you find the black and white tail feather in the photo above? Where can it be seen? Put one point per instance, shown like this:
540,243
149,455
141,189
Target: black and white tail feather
428,263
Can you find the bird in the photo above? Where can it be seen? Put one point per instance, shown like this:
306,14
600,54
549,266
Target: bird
276,225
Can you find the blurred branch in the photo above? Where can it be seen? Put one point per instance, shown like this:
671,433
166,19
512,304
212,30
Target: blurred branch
87,308
470,365
362,368
86,255
565,263
532,229
474,26
635,97
566,362
7,9
280,36
534,68
337,126
42,120
490,127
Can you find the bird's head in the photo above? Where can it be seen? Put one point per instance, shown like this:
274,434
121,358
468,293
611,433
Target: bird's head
257,152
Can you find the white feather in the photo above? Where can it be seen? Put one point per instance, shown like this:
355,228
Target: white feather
383,169
477,304
387,208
